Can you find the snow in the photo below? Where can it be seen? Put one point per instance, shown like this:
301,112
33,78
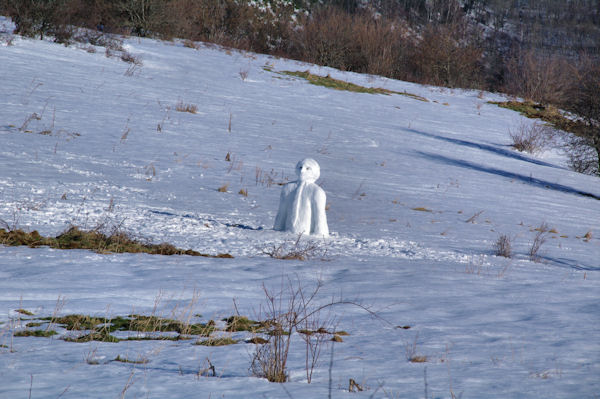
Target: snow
402,178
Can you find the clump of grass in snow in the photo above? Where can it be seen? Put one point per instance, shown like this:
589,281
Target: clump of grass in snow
422,209
539,240
101,329
183,107
411,352
35,333
242,323
221,341
328,81
548,114
137,323
74,238
77,321
100,336
124,359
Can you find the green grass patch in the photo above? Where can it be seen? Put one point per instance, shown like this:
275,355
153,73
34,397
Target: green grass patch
136,323
24,311
122,359
35,333
217,341
257,341
328,81
158,324
76,321
242,323
100,336
151,328
323,331
75,238
546,113
158,338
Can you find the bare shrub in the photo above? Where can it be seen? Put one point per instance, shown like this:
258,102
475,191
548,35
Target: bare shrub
531,138
326,38
198,20
583,100
582,155
282,311
540,239
503,246
266,29
385,45
449,55
353,42
538,77
294,310
296,250
144,17
7,39
132,59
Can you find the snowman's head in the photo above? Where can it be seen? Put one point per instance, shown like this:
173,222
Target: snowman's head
308,170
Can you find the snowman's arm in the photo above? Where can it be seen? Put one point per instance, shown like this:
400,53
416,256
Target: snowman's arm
282,212
319,216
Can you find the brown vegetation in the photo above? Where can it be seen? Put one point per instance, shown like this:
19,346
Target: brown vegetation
74,238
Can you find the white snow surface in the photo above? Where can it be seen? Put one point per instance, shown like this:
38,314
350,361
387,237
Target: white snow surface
402,178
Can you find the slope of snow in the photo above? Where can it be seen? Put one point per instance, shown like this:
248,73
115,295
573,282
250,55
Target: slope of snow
402,178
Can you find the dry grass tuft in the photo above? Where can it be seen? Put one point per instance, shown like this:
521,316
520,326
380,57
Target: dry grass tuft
421,209
539,240
223,188
184,107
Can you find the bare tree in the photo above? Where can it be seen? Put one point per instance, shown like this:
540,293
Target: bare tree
585,103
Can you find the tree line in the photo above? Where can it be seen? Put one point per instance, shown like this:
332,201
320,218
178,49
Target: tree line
546,51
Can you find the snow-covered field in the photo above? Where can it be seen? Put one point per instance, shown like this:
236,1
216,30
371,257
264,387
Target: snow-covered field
418,193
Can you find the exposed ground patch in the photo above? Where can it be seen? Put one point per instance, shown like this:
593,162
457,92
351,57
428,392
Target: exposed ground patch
328,81
75,238
546,113
81,328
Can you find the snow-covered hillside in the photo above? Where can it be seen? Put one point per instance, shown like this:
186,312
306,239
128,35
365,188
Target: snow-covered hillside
418,192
